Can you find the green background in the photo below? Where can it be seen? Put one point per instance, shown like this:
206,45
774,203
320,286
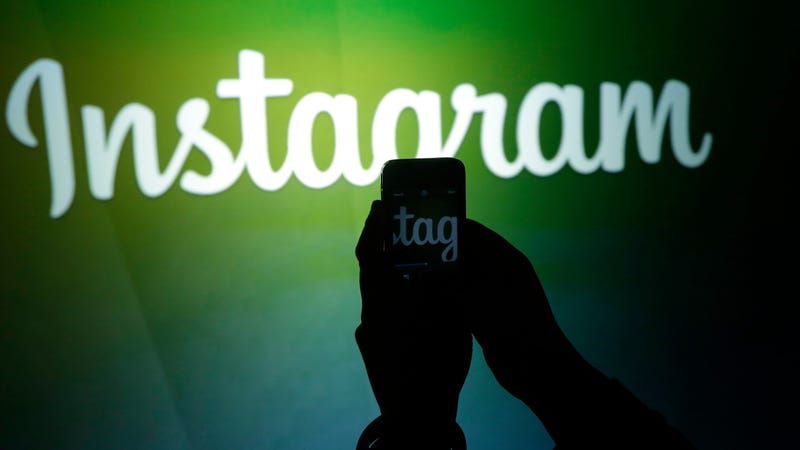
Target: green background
226,321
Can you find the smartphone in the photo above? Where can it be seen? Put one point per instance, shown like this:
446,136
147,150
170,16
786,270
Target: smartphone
425,208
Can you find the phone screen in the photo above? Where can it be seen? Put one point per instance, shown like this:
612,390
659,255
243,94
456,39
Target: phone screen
424,204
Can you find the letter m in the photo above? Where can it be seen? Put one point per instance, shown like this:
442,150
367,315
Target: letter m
673,104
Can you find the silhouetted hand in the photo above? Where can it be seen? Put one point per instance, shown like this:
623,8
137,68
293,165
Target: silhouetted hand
415,347
415,341
509,314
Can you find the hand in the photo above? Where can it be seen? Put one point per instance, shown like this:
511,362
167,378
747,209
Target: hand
510,317
415,346
415,340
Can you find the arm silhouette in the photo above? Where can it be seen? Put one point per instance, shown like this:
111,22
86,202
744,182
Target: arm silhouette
415,338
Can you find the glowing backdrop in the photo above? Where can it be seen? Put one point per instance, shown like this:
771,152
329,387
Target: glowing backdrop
183,184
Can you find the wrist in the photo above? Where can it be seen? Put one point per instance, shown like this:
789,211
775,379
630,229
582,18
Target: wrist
388,433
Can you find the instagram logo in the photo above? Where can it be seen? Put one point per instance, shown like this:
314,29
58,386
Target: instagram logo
423,231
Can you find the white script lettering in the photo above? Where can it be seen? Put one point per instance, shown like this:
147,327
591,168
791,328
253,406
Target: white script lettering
252,89
422,233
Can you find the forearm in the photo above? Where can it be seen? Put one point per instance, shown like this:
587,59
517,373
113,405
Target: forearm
582,408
